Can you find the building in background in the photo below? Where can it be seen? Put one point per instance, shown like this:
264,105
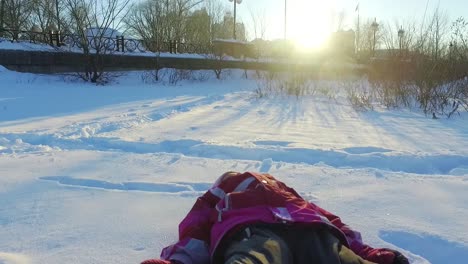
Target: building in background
223,30
342,44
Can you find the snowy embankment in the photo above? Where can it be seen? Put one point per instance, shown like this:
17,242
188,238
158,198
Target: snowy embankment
103,174
6,44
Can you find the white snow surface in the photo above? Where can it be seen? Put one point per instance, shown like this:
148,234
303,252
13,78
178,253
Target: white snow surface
104,174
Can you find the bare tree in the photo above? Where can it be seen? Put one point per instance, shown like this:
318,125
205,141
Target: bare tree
176,14
17,14
2,15
259,23
459,42
340,21
197,28
146,21
94,23
43,14
159,21
438,30
398,38
216,11
366,42
432,40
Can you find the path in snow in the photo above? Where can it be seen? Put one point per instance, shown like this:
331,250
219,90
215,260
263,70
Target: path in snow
180,120
359,157
177,187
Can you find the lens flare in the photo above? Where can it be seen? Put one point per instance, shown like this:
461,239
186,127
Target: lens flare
310,23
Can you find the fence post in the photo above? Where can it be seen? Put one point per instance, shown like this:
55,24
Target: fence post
123,43
59,39
51,39
117,43
54,36
120,45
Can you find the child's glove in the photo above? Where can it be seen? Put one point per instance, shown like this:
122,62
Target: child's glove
387,255
399,258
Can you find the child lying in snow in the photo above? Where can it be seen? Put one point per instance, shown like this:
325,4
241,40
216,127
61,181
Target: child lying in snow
254,218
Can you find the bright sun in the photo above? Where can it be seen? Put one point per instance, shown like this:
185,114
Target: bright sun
309,22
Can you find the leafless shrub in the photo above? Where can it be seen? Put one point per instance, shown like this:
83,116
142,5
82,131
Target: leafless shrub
437,87
297,84
283,83
153,76
359,95
425,70
393,94
446,99
217,60
201,76
177,75
106,78
266,83
323,88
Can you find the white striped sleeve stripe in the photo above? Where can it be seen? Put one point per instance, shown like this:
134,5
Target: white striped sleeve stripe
282,213
218,192
244,184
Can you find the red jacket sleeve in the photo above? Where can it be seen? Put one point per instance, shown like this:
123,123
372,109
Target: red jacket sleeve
194,234
195,229
377,255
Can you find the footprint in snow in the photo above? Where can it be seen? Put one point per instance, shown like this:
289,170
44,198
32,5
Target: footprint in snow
170,187
433,248
365,150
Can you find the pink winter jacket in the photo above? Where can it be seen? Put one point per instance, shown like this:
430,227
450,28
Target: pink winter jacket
250,198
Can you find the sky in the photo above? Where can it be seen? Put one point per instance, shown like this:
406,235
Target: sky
310,21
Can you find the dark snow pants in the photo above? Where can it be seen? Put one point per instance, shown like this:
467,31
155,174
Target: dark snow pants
292,245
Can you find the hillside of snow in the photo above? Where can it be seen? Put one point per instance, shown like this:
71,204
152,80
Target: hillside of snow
104,174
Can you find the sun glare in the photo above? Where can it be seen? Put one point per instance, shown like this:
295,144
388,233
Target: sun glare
310,23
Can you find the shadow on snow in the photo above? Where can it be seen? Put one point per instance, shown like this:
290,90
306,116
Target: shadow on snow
435,249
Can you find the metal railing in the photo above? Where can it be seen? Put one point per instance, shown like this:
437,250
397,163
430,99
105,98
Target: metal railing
109,44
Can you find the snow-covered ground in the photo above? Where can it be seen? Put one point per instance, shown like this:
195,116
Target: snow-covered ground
104,174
